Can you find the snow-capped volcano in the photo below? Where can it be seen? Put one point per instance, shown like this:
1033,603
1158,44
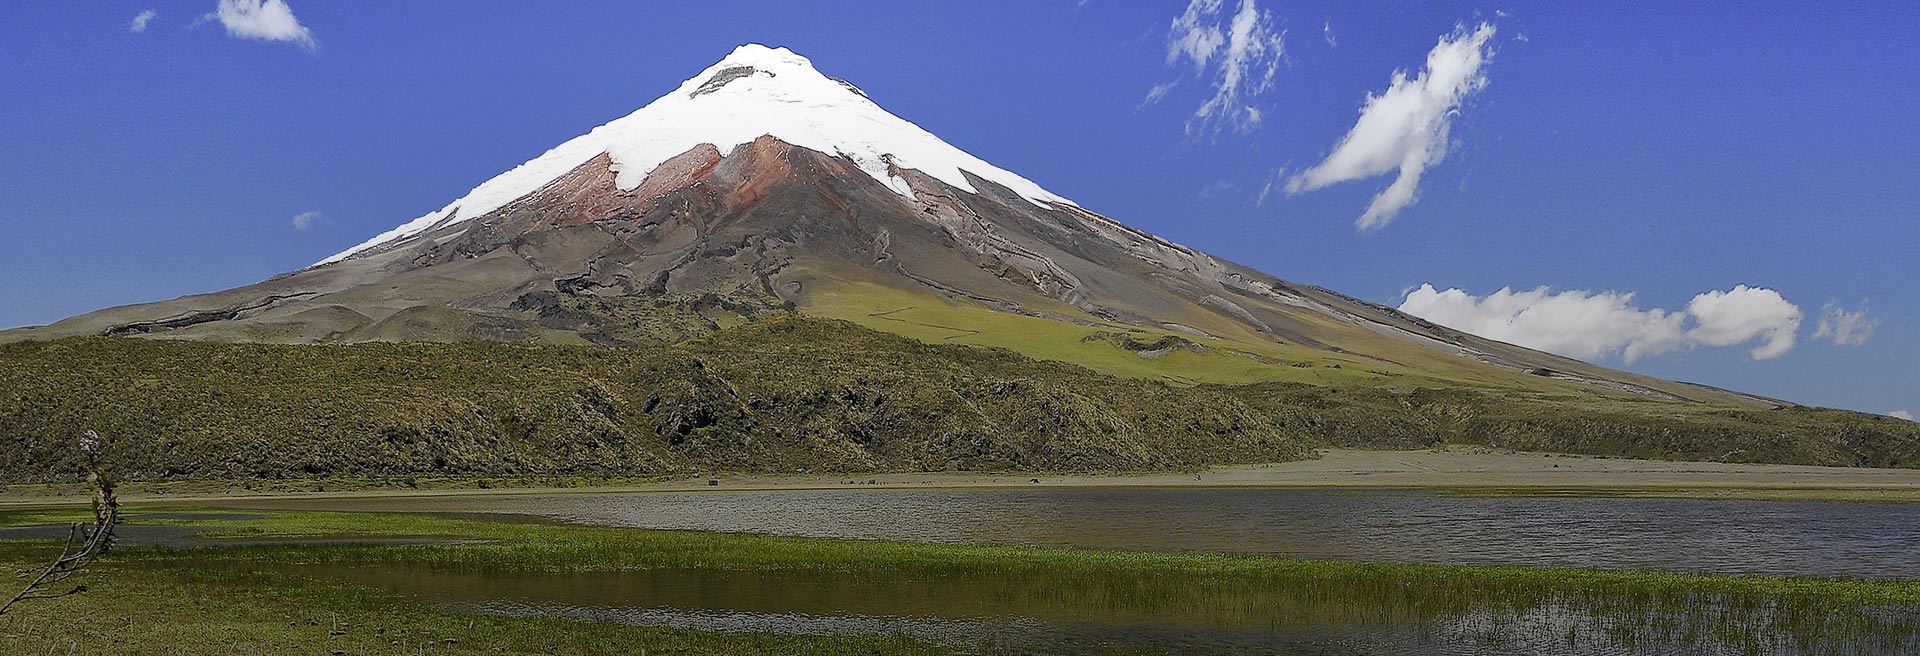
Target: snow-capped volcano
761,186
756,91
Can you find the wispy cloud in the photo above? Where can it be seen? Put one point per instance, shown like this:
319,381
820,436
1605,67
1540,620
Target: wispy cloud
1267,190
1195,34
1158,92
1405,128
140,20
1845,328
1236,54
1590,326
263,20
305,220
1902,414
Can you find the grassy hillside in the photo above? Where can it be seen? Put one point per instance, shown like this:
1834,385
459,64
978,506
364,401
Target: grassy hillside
773,396
1348,357
1246,359
784,394
1387,418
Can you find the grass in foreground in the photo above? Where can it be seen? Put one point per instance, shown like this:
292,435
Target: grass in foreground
267,599
217,600
143,606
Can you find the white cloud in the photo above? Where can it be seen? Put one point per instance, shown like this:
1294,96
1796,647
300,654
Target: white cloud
1406,127
140,20
1576,324
1902,414
1845,328
1742,315
305,220
1237,54
1326,30
265,20
1591,326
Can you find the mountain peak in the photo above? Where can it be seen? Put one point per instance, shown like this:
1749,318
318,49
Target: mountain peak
765,57
777,72
755,60
755,91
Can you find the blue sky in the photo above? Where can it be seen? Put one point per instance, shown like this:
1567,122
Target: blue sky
1667,153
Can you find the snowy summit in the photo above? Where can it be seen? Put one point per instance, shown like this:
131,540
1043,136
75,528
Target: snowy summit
756,91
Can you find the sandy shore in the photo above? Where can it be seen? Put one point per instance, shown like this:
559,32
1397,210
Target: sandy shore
1469,470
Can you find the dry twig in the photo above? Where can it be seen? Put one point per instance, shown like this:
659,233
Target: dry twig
84,543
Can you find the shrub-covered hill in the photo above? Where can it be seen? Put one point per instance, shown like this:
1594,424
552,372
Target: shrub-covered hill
1386,418
779,395
774,396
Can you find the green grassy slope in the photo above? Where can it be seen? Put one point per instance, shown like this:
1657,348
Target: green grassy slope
930,318
1237,355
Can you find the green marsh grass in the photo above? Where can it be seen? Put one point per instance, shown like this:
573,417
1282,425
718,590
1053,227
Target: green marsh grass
1647,611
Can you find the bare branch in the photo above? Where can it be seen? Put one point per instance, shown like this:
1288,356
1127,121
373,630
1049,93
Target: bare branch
83,545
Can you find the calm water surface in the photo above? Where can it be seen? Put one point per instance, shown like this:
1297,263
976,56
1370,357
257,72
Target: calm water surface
1851,540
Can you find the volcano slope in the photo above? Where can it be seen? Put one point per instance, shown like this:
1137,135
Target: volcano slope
708,241
656,265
